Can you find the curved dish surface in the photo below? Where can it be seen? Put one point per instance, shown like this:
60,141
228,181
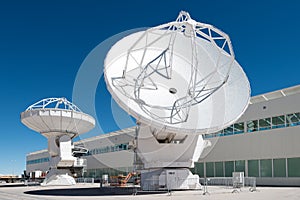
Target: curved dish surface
181,76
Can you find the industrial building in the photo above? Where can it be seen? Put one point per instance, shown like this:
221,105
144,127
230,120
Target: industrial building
263,143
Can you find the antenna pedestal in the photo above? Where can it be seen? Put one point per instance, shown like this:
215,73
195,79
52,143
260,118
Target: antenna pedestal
58,177
167,158
62,162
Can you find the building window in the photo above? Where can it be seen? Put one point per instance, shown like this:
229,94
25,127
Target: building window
265,124
220,133
278,122
279,167
252,126
36,161
98,173
209,169
253,168
228,130
238,128
240,166
229,168
219,168
293,119
266,168
107,149
259,125
293,167
199,169
206,136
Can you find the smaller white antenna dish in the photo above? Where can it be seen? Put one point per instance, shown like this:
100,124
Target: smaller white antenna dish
59,120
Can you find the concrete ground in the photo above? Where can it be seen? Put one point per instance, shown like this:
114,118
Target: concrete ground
93,191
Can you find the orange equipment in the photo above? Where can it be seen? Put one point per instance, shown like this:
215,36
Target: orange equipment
121,180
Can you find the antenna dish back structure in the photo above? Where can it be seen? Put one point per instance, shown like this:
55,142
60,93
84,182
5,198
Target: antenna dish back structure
59,121
179,80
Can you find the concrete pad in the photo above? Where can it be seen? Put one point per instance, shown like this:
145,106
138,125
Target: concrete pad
93,191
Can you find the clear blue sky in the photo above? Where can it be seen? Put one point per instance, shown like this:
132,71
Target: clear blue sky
43,43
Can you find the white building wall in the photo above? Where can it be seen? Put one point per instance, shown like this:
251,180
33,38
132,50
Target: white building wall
118,159
36,161
273,107
274,143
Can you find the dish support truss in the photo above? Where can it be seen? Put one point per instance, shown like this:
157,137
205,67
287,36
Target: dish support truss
58,103
198,90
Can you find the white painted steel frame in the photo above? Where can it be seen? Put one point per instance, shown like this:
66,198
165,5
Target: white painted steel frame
198,89
49,102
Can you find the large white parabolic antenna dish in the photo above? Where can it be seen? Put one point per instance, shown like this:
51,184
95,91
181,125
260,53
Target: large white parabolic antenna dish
181,76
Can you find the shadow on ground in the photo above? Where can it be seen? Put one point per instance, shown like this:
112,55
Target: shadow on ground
13,185
91,192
